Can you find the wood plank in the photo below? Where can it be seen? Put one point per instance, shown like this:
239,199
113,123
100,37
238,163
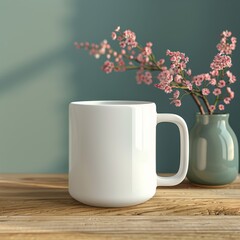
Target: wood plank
119,224
39,207
113,236
69,207
48,195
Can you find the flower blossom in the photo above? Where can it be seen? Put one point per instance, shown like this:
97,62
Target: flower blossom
217,91
213,81
220,62
221,107
108,66
189,85
226,45
221,84
227,100
177,102
205,91
165,76
232,78
176,94
230,92
95,49
198,80
114,36
178,60
178,78
144,78
143,57
128,39
212,108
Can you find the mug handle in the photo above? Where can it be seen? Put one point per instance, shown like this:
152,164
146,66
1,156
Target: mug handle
184,150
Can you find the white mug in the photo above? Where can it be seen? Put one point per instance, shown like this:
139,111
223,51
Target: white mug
113,152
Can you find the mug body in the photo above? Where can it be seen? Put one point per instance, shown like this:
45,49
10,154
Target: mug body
112,152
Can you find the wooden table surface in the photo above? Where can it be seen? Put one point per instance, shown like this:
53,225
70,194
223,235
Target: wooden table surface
39,207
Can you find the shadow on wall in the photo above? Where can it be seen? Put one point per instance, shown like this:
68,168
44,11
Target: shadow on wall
25,73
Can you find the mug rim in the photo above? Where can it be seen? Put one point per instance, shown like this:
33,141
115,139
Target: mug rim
111,103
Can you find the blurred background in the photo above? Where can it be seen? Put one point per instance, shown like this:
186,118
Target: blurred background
41,72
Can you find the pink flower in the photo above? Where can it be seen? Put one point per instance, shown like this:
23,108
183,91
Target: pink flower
108,66
178,60
77,45
142,58
221,83
123,51
198,80
217,91
178,78
129,38
160,86
229,89
163,68
233,39
212,108
176,94
189,85
168,52
231,95
189,72
165,76
227,100
226,33
207,77
220,62
139,77
168,89
225,47
214,73
148,78
198,83
177,103
221,107
160,62
213,82
149,44
205,91
114,36
147,51
144,77
122,44
232,78
230,92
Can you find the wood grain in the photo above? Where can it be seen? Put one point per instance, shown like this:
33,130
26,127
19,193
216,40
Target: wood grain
39,207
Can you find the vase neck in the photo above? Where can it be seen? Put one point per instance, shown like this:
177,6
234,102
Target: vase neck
212,119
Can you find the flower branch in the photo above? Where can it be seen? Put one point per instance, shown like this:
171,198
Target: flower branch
176,79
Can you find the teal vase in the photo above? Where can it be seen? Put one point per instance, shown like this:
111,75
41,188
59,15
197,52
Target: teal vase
213,157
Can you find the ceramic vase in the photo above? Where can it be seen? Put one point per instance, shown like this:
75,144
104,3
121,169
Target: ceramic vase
213,159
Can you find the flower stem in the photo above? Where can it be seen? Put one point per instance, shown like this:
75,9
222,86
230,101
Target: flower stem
207,104
195,98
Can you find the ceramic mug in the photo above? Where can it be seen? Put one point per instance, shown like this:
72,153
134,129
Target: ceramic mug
113,152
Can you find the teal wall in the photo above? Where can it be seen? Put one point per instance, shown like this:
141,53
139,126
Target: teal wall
41,72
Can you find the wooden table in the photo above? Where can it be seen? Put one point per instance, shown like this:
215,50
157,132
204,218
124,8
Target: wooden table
39,207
